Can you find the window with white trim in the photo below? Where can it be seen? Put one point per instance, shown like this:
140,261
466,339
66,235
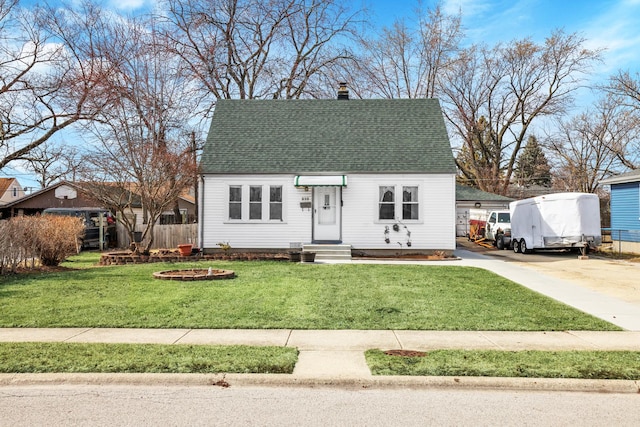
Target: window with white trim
256,203
401,208
387,202
410,206
235,202
275,202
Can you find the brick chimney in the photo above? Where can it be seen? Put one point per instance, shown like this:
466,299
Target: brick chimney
343,92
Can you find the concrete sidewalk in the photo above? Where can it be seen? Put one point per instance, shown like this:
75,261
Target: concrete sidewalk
337,356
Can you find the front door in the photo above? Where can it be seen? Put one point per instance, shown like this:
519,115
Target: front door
327,214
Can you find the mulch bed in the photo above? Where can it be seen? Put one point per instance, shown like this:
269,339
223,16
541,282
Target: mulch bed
195,274
165,255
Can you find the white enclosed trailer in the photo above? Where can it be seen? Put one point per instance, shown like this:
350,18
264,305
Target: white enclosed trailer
556,221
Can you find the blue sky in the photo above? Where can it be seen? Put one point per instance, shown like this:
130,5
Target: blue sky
613,25
610,24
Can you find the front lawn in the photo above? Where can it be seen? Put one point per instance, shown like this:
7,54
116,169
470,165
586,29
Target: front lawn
283,295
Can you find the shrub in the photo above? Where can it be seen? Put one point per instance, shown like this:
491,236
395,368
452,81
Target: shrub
55,238
50,239
13,250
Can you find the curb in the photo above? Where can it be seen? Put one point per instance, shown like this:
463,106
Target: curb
287,380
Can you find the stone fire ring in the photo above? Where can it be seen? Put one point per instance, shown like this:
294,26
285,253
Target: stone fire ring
194,274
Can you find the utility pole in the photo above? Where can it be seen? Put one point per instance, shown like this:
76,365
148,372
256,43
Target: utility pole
194,149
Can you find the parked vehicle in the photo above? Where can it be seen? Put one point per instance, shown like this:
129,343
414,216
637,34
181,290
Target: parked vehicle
556,221
92,223
498,229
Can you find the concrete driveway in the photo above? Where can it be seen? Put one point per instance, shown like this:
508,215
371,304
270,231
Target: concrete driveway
616,278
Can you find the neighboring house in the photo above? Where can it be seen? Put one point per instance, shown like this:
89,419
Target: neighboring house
10,191
625,211
187,206
469,198
375,175
60,195
66,194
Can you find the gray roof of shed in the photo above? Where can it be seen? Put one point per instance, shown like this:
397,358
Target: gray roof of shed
327,136
466,193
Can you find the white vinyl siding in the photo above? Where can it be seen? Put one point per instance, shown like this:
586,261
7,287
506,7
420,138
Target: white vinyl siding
360,207
433,230
292,226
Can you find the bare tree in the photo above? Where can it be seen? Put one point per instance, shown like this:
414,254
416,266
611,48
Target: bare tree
406,59
586,149
49,76
510,87
144,151
625,90
627,87
52,162
256,49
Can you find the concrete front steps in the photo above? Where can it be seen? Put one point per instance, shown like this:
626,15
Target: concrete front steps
329,252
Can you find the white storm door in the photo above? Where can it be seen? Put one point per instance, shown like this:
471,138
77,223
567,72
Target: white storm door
327,214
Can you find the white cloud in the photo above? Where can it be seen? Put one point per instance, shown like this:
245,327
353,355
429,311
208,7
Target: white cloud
131,4
617,32
467,7
493,21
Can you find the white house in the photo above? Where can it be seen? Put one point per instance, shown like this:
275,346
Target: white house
374,175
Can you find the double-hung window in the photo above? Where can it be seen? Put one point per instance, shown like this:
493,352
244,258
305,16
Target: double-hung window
398,203
275,203
235,202
410,206
256,203
387,202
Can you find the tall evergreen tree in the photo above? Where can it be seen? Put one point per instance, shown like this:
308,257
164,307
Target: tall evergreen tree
533,167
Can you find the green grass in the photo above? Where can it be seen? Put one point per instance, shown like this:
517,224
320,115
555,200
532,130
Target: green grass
140,358
493,363
283,295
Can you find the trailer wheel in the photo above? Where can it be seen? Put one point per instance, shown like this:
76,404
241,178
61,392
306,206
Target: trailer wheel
500,242
523,246
516,246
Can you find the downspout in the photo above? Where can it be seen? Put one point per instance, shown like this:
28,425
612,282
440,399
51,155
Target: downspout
201,213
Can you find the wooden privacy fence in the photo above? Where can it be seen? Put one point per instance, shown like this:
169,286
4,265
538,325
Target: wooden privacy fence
164,236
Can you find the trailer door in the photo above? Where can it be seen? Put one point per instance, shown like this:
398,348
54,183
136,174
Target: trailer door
538,226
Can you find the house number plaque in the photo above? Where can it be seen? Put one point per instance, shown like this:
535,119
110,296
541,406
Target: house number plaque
305,202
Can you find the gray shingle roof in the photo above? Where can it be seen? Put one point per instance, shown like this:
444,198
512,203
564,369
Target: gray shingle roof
466,193
328,136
